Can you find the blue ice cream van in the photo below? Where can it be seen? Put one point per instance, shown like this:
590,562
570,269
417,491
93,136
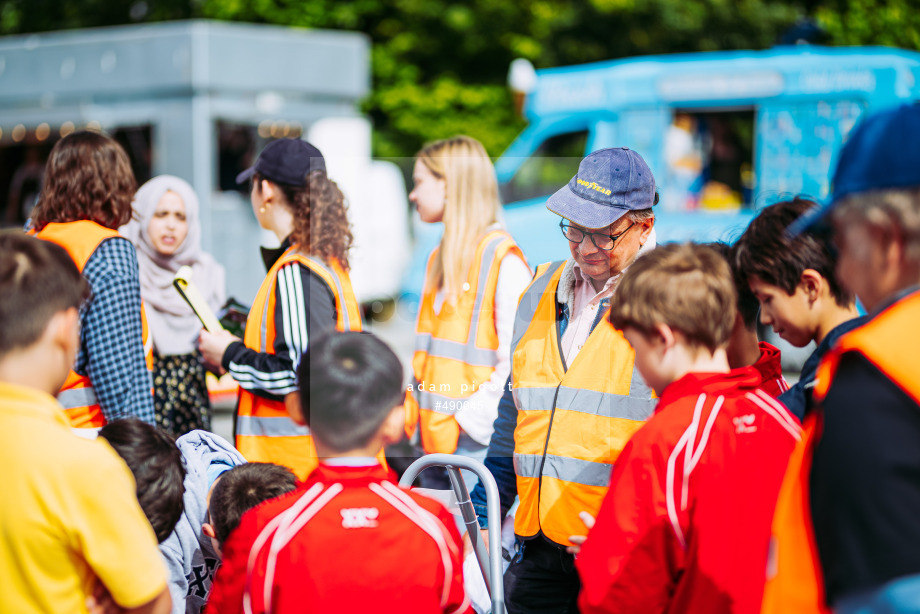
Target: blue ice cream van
725,133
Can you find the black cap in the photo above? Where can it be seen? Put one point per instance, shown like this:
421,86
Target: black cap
286,161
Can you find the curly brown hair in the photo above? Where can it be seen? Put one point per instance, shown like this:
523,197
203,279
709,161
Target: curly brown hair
321,225
87,177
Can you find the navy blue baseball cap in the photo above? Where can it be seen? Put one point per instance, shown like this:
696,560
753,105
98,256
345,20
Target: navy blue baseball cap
286,161
609,183
882,152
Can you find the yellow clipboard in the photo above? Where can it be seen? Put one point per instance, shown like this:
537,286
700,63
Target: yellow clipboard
183,283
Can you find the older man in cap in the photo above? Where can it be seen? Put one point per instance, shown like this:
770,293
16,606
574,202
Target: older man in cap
574,397
863,443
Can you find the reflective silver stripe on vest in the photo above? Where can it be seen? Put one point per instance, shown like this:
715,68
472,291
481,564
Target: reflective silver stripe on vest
468,352
527,308
77,397
585,401
573,470
256,426
534,399
464,352
339,291
638,388
604,403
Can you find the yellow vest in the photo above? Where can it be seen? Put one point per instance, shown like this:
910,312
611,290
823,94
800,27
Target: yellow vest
573,420
77,397
456,349
265,431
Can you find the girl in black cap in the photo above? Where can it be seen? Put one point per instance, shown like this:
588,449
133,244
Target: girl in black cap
307,292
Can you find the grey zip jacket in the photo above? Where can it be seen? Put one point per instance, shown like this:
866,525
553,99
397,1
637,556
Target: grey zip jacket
189,556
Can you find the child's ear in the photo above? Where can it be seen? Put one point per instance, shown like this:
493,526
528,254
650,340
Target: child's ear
812,282
208,530
64,328
393,427
663,334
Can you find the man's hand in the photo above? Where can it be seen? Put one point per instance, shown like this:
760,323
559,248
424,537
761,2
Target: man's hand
212,347
578,540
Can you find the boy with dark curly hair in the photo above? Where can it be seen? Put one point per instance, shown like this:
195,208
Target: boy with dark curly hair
800,297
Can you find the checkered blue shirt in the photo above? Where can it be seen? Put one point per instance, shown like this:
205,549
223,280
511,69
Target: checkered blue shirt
111,334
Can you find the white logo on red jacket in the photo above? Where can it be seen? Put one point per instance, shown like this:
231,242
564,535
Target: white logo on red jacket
359,517
744,424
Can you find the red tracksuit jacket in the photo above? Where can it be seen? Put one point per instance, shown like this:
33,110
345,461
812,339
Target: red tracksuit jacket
348,540
685,526
770,367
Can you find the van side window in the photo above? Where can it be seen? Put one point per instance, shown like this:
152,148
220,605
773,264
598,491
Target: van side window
548,169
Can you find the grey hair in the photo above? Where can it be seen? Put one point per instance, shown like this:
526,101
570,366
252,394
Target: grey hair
638,216
896,212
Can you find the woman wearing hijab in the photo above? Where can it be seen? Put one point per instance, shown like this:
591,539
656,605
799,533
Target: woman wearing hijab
167,235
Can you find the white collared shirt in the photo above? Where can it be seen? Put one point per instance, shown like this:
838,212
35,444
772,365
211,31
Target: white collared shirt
586,302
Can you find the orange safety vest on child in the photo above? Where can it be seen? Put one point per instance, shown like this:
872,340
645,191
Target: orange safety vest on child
795,579
573,420
77,397
456,349
795,584
265,431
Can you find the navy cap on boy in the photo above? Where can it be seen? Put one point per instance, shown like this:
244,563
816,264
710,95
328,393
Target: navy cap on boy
609,183
286,161
882,152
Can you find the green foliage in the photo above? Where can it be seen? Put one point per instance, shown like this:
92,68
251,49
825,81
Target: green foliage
872,22
439,66
25,16
419,113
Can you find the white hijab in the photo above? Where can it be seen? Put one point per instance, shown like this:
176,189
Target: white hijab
173,325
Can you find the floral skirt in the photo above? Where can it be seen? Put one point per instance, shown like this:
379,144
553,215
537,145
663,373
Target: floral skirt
180,394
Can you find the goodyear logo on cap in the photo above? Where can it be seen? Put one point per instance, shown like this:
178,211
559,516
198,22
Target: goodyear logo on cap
593,186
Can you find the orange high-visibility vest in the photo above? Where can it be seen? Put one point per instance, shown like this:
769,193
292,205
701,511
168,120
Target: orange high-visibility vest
795,583
881,341
77,397
265,431
456,350
573,420
795,579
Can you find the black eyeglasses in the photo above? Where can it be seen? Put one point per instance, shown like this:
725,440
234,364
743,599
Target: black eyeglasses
601,240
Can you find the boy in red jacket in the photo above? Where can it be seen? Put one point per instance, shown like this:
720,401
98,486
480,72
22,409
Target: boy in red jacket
348,540
685,526
744,350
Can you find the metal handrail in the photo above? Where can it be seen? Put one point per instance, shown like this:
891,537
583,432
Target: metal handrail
490,563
